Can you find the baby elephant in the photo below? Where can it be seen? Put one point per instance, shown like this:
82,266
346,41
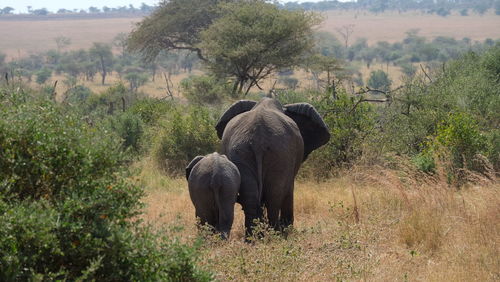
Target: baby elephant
214,182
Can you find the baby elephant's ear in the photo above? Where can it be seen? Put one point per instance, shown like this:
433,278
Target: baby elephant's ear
191,165
235,109
312,127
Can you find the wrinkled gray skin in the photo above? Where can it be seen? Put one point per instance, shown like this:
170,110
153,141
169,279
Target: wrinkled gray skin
213,183
268,142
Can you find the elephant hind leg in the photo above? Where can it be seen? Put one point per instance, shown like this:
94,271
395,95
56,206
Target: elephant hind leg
286,217
249,200
273,217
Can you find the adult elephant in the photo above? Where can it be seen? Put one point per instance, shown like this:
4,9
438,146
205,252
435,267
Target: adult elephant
268,142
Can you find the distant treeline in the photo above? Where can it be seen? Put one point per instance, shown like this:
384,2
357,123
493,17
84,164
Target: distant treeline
100,60
439,7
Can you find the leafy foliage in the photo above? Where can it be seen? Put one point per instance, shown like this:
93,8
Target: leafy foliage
203,90
43,75
379,80
253,39
66,206
186,134
174,25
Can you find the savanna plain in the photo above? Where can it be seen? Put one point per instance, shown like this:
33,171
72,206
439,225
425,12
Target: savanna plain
367,222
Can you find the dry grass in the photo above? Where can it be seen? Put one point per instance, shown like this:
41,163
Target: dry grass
21,37
406,231
391,26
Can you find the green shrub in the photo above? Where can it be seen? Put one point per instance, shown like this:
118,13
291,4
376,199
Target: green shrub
493,153
350,123
78,94
460,135
203,90
67,209
424,161
114,99
289,82
151,110
187,133
291,96
43,75
379,80
130,128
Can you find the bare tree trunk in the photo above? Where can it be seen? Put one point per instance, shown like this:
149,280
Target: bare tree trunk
103,73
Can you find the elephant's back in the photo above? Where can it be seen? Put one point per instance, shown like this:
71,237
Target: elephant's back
266,131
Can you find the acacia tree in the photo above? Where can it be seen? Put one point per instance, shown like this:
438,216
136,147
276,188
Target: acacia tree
174,25
102,52
253,39
62,42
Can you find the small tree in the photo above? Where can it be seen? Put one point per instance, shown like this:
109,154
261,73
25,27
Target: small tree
6,10
120,41
62,42
136,79
40,12
253,39
174,25
102,53
43,75
380,80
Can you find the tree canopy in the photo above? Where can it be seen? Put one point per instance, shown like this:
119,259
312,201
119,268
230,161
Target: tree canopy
253,39
243,40
174,25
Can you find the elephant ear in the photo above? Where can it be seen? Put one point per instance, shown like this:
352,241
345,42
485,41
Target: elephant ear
235,109
191,165
312,127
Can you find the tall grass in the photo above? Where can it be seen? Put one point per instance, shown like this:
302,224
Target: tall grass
407,230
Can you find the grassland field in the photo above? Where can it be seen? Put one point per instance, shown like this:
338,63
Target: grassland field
23,37
370,224
366,225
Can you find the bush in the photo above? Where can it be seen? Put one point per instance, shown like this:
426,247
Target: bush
78,94
130,128
115,98
67,209
349,126
493,153
203,90
424,161
43,75
152,110
187,133
379,80
289,82
460,135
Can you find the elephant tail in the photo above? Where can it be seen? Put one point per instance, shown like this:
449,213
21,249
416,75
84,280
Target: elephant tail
216,183
258,153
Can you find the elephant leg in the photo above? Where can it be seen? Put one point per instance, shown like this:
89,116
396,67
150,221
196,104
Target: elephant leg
249,199
226,217
273,217
207,215
286,218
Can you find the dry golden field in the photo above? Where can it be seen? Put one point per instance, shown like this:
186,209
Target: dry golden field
391,26
396,229
21,37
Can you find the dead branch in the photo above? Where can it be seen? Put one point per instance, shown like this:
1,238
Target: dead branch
425,73
54,93
169,84
368,90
